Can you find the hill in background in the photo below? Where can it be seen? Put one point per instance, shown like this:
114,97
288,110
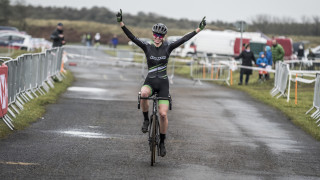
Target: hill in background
41,21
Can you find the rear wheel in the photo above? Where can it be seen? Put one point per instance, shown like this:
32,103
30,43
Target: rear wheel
153,140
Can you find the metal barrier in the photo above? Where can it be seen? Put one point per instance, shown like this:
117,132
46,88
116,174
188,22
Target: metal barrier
276,78
284,72
29,74
281,80
204,68
316,100
304,64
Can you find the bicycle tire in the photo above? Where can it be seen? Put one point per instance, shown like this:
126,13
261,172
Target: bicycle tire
153,140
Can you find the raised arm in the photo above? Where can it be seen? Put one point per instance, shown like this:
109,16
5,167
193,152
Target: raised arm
240,56
134,39
188,36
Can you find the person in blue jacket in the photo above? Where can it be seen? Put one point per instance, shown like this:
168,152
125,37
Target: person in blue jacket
269,58
262,62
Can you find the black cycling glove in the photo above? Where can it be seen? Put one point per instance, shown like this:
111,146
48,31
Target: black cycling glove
119,16
203,23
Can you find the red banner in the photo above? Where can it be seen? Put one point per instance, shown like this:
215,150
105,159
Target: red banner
3,90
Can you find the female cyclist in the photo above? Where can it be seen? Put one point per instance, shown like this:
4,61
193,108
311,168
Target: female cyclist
157,55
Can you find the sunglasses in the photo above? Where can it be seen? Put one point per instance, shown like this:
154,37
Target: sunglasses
158,35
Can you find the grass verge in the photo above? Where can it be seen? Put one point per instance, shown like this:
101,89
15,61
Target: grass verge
35,109
261,91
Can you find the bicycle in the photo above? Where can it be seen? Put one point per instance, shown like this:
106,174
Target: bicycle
154,126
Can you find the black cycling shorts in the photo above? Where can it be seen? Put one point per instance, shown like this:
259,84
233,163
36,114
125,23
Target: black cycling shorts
161,86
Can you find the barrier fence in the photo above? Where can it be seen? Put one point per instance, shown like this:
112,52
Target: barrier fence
30,75
316,100
281,79
293,71
209,72
25,78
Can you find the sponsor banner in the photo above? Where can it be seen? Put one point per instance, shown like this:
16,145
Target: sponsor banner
3,90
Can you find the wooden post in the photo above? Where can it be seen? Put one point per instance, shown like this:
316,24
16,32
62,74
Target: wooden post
296,91
231,80
204,71
212,71
217,74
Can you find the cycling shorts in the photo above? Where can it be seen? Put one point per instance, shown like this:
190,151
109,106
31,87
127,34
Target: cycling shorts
161,86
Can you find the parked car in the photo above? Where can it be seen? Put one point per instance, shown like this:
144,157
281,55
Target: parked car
16,40
8,28
316,52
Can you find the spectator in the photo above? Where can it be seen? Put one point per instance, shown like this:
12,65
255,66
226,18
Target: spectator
300,52
262,62
247,58
57,36
269,59
97,38
83,39
194,47
88,39
115,41
277,51
311,55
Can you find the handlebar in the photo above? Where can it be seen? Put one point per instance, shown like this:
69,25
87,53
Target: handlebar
155,97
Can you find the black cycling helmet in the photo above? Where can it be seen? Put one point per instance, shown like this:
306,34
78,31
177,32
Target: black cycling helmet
160,28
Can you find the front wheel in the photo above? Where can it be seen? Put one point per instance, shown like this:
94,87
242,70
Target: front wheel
153,140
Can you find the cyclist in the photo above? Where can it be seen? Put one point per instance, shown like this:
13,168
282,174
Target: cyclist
157,55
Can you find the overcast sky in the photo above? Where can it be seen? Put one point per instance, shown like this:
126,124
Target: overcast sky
225,10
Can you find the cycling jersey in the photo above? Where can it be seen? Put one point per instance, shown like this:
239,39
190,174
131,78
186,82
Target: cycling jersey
157,60
157,57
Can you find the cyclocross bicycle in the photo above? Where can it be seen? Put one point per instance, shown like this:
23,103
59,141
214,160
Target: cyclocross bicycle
154,126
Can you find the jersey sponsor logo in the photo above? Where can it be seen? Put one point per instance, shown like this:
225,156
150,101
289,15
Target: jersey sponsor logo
158,58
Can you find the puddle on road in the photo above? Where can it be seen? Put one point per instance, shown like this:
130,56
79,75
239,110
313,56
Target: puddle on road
78,133
19,163
95,135
86,89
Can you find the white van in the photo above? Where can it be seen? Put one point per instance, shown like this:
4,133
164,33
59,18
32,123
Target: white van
217,42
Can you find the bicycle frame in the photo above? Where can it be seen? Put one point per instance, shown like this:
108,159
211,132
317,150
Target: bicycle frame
154,127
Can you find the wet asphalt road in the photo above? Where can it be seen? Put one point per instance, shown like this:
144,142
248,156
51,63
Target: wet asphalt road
93,132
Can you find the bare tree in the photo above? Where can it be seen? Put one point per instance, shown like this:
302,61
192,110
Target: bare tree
5,12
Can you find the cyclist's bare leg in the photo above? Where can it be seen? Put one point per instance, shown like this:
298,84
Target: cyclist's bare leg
163,110
145,92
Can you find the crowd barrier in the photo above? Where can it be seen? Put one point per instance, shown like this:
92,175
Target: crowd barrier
284,76
281,79
23,77
210,72
316,100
